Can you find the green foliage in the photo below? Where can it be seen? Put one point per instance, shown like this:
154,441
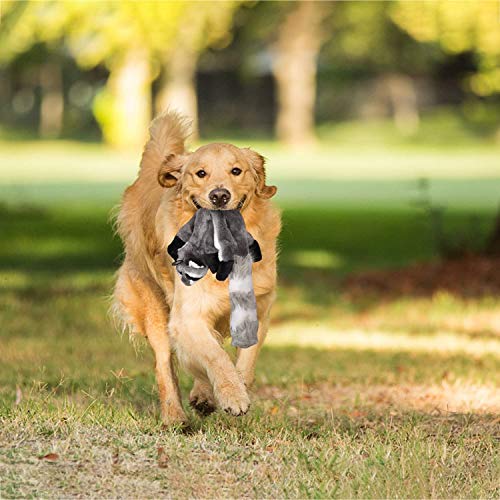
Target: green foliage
26,23
97,32
364,40
458,27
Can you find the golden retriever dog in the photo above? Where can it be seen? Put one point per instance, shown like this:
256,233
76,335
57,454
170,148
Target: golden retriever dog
190,323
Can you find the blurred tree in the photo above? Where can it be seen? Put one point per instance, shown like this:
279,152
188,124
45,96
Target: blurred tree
296,50
285,38
202,25
125,36
459,27
52,98
349,42
20,29
132,39
368,46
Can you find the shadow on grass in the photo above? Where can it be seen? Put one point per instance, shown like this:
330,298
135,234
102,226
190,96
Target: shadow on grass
319,245
57,241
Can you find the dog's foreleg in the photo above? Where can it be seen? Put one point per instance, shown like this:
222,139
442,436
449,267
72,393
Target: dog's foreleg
168,386
145,306
199,351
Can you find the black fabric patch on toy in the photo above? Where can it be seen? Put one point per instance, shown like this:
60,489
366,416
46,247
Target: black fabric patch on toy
217,240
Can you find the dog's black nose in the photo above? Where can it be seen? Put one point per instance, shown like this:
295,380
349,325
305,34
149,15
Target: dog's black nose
219,197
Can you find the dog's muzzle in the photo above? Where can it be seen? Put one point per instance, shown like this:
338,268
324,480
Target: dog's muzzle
238,207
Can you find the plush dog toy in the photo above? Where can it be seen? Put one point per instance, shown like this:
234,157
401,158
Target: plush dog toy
218,240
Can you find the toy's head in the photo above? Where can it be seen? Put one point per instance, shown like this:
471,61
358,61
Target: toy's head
217,176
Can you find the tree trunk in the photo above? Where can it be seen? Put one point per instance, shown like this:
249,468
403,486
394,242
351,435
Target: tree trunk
52,100
403,97
296,53
178,91
124,109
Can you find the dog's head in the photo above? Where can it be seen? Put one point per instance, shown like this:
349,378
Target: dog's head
217,176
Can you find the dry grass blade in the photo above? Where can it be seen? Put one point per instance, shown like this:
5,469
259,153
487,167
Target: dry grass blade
19,396
162,458
51,457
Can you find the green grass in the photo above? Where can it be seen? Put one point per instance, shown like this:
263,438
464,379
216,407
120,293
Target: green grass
364,397
314,430
334,414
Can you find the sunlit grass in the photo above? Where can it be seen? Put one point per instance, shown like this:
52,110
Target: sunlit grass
319,336
315,259
338,159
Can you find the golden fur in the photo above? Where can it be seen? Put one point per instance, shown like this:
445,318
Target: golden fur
149,296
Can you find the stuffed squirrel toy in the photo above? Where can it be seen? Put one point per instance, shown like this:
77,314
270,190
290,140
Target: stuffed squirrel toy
217,240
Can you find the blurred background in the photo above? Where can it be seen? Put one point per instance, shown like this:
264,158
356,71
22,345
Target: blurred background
381,125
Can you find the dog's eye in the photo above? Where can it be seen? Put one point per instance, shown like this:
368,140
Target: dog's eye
236,171
201,173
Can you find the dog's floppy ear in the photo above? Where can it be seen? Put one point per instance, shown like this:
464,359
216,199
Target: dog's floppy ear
257,162
170,170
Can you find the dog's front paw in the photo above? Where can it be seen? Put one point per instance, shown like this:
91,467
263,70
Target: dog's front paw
233,398
172,415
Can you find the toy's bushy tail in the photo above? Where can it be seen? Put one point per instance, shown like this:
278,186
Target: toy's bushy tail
244,322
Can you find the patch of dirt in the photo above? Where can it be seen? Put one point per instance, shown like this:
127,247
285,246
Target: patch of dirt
431,399
467,277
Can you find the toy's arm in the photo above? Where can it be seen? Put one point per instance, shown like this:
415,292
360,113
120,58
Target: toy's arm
180,239
254,248
224,269
174,247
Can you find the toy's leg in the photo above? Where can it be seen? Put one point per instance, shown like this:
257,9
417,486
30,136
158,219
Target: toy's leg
247,358
199,351
144,309
201,397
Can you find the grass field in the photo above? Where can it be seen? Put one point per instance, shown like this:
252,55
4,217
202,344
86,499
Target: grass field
356,396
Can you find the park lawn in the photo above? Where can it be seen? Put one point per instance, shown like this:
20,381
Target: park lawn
353,397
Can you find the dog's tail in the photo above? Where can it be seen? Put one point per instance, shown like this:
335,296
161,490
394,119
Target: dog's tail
168,133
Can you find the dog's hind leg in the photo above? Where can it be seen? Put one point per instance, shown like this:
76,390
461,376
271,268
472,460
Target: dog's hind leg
201,397
144,307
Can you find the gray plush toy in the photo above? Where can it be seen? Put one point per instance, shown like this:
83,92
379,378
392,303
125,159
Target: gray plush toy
218,240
